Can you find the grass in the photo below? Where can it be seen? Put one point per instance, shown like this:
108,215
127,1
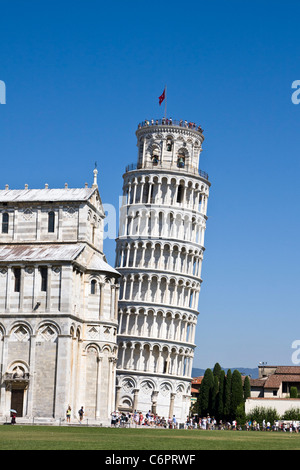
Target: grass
93,438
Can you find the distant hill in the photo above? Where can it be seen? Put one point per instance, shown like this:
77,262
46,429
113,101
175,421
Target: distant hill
242,370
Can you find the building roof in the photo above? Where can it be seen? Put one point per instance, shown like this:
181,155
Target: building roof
53,252
290,374
46,195
274,381
287,370
197,380
98,264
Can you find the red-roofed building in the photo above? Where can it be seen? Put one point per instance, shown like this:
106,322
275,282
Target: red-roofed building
275,381
196,382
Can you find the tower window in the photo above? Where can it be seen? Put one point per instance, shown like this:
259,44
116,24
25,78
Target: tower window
179,193
5,220
169,145
44,278
51,222
155,158
17,274
93,287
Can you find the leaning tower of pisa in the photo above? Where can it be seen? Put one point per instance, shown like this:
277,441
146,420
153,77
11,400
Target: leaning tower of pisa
159,254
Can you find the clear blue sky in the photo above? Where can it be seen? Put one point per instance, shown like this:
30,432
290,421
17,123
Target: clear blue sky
80,76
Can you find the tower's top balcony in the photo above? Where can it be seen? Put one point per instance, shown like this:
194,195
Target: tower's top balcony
171,122
169,144
175,167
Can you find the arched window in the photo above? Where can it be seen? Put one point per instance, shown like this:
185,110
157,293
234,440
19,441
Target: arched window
5,220
17,276
51,222
180,192
169,145
93,286
44,278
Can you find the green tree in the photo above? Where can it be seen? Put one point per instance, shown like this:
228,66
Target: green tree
237,392
247,388
293,392
260,413
292,413
220,397
205,395
227,395
214,396
217,370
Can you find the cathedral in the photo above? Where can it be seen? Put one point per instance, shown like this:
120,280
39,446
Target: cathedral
58,305
68,337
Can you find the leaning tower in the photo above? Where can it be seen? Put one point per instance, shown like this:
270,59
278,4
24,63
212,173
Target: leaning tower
159,255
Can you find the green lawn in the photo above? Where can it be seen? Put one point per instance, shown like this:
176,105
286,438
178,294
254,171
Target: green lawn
93,438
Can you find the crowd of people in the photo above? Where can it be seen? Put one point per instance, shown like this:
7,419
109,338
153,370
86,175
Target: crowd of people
285,426
149,419
122,419
170,122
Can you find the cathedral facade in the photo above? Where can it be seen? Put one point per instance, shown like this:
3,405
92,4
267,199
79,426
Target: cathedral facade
58,305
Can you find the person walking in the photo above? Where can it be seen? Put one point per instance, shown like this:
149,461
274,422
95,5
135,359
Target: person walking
81,413
68,414
13,417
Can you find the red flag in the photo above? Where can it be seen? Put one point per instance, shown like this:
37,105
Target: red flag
162,97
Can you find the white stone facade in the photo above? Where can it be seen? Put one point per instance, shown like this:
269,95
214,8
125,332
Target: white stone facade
58,305
159,254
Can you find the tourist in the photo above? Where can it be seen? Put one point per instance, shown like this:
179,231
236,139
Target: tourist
68,414
81,413
114,419
174,424
13,417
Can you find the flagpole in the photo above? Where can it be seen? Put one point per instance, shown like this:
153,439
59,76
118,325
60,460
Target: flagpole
166,102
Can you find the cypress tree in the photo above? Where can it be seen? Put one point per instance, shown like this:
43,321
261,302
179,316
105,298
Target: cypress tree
214,395
227,394
220,397
217,370
237,392
205,395
247,388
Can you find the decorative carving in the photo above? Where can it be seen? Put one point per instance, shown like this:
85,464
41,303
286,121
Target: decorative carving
165,389
147,387
93,332
20,333
47,333
70,212
128,385
27,214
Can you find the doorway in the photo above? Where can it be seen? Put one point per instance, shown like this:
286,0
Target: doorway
17,398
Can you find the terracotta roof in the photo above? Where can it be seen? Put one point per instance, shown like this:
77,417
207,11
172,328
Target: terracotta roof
197,380
258,382
194,390
274,381
288,370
